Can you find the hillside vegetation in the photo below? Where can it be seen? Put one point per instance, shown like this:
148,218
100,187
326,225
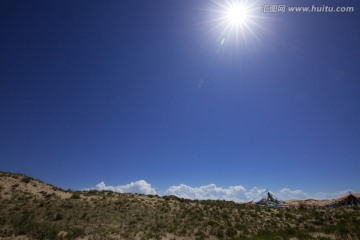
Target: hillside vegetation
31,209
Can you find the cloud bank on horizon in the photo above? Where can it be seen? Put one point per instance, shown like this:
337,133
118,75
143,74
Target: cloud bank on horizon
232,193
140,186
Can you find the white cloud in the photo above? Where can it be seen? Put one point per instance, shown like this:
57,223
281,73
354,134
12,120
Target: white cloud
211,191
239,193
140,186
286,193
322,195
254,194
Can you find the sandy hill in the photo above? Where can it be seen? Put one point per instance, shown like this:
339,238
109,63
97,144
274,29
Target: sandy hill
31,209
28,186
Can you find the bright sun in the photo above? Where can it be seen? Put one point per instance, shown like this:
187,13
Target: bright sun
237,15
236,18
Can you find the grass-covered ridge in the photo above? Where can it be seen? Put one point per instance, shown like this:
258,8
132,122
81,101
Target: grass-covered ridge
35,210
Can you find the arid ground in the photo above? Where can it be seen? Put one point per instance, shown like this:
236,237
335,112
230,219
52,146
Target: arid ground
31,209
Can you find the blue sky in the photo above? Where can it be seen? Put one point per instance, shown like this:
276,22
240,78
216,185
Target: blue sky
121,91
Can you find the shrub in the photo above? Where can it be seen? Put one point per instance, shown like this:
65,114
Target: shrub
200,235
56,188
242,227
58,216
41,230
92,193
26,179
75,232
75,196
220,233
2,221
231,232
25,225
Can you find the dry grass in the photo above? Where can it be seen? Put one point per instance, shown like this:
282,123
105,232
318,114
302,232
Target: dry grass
30,209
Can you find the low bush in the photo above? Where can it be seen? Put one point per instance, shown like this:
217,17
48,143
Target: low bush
75,195
26,179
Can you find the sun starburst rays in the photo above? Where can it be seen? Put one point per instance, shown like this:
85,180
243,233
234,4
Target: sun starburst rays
236,20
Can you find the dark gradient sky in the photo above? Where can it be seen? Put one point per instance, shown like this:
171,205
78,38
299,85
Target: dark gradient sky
118,91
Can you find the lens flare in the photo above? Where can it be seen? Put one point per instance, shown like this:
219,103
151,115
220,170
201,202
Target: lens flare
236,19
